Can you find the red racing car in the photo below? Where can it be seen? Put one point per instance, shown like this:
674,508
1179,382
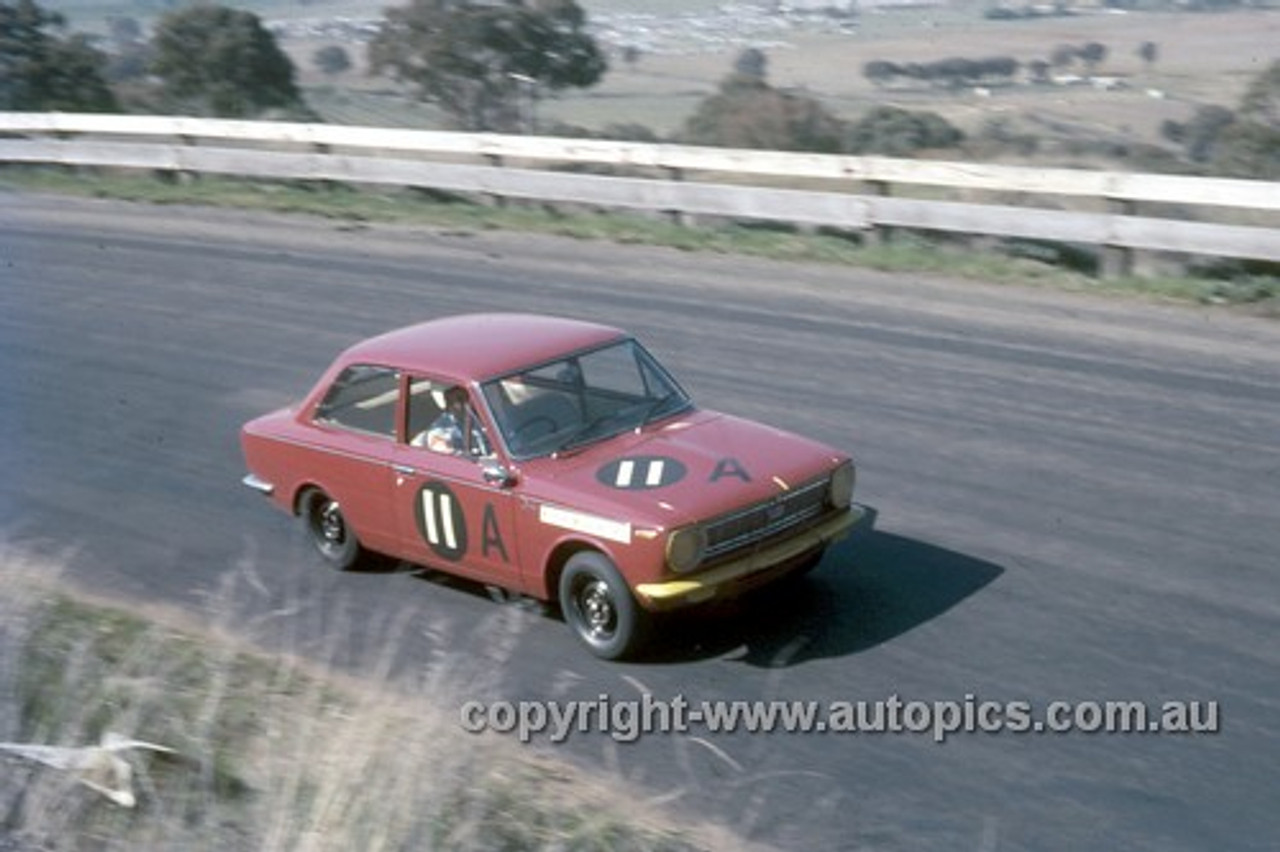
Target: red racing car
552,458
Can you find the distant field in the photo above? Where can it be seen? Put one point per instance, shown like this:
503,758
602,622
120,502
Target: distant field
1203,59
84,12
687,46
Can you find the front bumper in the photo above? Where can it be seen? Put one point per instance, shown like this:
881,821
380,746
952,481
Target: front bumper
706,585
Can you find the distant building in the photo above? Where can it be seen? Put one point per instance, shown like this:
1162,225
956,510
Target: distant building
865,5
843,7
840,7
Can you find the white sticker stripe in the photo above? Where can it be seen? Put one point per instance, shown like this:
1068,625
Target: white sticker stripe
446,515
654,476
582,522
626,469
429,515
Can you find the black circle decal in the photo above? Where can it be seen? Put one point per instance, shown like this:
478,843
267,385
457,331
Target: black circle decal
440,521
640,473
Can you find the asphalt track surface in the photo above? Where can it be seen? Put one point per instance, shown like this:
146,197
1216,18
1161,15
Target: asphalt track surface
1075,498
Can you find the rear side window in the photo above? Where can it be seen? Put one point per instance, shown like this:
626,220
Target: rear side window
363,398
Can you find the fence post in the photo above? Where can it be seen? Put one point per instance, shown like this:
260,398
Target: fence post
495,160
878,235
324,149
677,217
182,176
1117,261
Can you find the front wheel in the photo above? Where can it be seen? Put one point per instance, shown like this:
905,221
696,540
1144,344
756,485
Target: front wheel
328,530
599,607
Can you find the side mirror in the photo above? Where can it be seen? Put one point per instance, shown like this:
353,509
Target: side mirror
496,473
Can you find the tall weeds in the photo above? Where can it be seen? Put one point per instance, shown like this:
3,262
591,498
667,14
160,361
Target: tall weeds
275,752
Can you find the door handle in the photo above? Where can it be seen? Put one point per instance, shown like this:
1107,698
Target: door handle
404,469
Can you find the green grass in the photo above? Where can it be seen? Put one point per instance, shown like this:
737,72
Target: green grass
908,253
274,753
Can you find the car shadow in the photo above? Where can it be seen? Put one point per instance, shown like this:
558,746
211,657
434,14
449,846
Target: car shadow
870,588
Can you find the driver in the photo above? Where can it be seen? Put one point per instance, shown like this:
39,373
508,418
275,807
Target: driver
448,431
446,434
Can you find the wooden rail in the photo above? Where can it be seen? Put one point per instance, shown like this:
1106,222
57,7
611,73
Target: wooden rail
685,180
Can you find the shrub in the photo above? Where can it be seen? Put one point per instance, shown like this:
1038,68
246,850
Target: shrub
898,132
749,113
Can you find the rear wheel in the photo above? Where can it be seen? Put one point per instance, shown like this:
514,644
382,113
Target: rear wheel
327,528
599,607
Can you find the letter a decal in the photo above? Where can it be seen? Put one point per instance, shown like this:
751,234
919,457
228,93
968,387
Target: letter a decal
729,467
491,536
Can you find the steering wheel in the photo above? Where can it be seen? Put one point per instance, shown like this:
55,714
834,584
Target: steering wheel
520,434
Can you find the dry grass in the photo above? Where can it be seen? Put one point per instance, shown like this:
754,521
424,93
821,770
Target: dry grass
275,753
1015,263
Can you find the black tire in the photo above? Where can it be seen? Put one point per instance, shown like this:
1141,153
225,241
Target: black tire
599,607
328,530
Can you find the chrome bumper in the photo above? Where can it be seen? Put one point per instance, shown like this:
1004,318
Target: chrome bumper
255,483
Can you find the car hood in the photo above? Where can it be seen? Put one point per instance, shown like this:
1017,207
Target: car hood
693,467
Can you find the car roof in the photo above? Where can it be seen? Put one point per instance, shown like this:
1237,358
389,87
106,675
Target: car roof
475,347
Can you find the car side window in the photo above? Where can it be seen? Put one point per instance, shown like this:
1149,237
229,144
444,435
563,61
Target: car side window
443,420
364,398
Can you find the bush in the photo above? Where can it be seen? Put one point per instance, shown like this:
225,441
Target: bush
1247,150
898,132
749,113
332,59
1199,135
43,69
629,131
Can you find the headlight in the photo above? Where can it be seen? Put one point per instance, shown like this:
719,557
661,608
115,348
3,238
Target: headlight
840,489
685,548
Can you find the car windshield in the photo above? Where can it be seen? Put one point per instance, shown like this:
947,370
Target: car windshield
581,398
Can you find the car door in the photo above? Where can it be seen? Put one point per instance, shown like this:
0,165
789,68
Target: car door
449,516
351,444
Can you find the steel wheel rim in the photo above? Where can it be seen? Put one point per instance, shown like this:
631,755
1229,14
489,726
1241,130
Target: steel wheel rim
597,612
330,526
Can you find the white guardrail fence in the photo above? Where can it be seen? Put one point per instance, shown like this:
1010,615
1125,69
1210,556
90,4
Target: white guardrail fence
684,181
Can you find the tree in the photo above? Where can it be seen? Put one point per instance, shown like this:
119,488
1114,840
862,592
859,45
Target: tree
130,63
1148,52
880,72
473,58
125,31
749,113
752,62
1261,100
1249,147
1092,54
332,59
221,61
955,71
1200,134
1063,56
131,56
998,66
41,70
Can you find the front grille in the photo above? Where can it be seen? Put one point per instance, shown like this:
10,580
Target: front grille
741,530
